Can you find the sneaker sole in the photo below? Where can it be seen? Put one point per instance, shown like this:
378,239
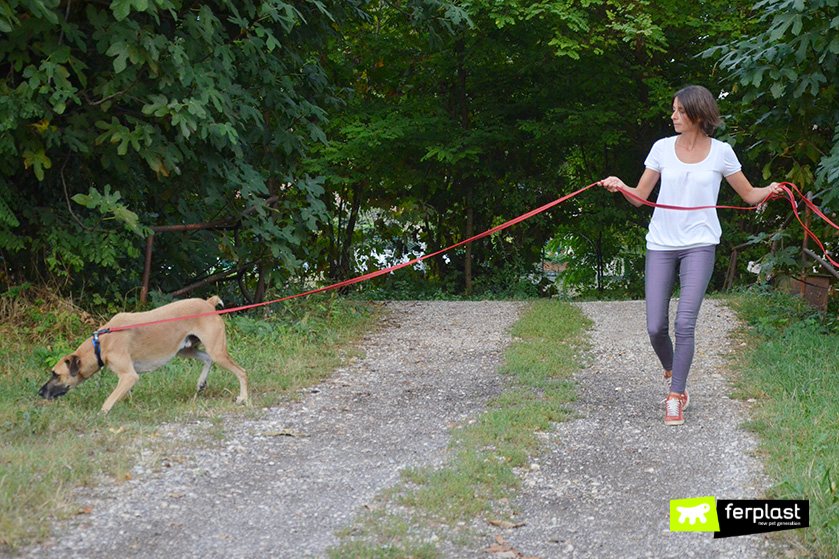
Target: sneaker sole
674,422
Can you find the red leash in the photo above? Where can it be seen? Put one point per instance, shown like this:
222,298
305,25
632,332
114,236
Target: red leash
787,187
688,208
815,209
371,275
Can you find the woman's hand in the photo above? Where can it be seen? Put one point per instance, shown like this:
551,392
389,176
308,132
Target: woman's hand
775,189
612,184
753,196
645,186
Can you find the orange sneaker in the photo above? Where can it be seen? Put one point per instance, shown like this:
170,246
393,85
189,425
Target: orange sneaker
673,407
685,397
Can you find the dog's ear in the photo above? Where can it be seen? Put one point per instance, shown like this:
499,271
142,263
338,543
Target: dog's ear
74,363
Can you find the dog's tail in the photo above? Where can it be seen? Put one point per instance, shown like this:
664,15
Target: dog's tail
215,301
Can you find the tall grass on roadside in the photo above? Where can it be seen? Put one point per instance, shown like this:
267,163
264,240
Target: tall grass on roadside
480,479
793,372
48,449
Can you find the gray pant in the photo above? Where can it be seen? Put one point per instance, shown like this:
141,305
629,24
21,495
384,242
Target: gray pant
695,266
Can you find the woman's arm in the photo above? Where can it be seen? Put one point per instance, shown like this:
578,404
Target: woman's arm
751,195
645,185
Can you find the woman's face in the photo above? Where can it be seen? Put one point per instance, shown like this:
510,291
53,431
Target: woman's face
681,122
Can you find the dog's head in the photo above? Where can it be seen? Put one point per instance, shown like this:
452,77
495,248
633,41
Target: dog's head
69,372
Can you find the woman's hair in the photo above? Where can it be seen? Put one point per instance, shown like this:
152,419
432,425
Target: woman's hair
700,106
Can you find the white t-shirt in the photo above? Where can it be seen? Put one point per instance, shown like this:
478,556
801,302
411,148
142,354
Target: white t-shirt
688,185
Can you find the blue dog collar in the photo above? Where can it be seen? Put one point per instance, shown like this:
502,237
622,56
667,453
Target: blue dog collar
97,349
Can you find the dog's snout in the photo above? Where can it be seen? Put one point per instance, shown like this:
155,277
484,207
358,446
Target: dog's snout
53,389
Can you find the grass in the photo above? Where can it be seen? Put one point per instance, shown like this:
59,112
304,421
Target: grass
48,449
792,370
480,479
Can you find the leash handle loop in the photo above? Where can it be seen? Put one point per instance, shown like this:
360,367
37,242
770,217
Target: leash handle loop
789,190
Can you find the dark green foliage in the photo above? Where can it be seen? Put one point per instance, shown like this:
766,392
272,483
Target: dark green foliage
118,116
783,75
325,138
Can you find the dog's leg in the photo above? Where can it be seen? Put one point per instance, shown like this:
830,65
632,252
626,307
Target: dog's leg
127,378
215,344
226,362
222,359
195,353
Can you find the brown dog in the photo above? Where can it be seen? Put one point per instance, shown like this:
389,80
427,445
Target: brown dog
133,351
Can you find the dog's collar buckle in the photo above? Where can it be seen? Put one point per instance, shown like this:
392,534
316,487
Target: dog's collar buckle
97,348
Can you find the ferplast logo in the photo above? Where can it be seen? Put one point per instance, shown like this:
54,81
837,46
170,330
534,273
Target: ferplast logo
730,518
694,515
739,518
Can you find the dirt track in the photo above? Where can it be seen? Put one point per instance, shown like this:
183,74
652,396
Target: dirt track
283,486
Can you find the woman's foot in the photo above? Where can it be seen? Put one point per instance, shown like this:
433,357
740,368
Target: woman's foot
673,406
668,376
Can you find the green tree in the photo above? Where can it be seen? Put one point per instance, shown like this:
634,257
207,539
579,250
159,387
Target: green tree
326,131
784,84
652,51
787,78
519,103
122,115
384,190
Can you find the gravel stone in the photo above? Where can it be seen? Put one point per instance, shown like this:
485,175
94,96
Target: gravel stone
283,485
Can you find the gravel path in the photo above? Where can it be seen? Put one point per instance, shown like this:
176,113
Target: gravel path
280,487
603,488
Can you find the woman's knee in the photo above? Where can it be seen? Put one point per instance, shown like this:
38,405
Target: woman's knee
657,329
685,327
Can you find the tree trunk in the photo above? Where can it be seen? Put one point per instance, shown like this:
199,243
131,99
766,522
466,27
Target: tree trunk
470,232
344,268
465,122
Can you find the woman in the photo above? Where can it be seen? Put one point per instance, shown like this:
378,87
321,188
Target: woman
691,166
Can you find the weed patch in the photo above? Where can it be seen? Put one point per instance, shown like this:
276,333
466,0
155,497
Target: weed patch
792,372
